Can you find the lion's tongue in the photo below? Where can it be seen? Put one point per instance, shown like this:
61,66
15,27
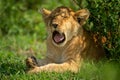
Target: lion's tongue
58,38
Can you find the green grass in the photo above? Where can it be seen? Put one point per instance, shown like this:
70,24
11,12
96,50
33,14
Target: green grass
15,49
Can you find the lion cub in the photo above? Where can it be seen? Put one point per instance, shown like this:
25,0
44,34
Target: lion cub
68,44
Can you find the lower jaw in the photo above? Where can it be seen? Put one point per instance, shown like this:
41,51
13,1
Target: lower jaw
60,44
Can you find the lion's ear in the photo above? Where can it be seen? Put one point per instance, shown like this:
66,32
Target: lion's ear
82,15
45,12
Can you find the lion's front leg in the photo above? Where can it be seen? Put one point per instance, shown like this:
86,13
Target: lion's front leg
33,63
54,67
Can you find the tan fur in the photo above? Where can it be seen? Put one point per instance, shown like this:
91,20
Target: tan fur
78,45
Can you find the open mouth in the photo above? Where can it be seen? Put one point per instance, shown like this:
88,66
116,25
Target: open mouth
58,37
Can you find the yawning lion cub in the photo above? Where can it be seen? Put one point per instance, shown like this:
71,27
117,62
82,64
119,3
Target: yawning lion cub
68,44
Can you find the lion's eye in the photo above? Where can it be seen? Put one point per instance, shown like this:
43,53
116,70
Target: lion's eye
55,25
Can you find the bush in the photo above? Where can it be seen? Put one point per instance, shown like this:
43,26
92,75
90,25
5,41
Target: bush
104,22
20,17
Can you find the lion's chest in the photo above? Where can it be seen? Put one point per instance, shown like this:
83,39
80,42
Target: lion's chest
71,50
57,57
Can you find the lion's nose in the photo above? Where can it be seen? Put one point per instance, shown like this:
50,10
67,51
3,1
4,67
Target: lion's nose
55,25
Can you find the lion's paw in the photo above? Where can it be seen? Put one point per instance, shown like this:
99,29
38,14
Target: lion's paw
31,62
